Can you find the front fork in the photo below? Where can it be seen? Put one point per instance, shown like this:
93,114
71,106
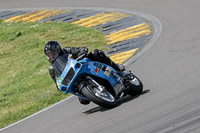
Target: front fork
93,82
118,88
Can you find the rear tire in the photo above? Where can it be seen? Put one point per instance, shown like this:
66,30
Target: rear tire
104,99
135,86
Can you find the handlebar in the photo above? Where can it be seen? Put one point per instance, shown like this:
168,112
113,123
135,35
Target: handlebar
80,57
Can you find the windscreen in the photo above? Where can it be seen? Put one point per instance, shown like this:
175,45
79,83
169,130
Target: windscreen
60,63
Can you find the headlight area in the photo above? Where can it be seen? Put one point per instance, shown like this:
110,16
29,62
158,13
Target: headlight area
69,76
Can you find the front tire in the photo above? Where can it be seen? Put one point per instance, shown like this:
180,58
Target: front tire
104,99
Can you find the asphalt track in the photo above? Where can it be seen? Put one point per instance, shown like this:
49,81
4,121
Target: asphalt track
169,69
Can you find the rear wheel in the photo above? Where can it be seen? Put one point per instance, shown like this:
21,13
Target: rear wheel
135,86
102,98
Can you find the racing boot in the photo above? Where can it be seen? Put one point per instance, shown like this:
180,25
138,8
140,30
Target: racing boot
121,67
117,67
83,101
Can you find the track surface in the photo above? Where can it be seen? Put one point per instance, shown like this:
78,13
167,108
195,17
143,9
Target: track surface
169,69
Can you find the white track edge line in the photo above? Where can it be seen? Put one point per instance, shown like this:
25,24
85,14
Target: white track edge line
36,113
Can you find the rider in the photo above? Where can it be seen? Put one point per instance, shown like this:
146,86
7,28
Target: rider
52,50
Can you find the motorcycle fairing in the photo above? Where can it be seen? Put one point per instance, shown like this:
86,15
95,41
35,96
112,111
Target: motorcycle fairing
85,66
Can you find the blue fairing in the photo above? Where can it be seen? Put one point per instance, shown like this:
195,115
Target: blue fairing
73,69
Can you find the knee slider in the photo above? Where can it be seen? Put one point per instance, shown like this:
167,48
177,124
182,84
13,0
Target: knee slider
101,54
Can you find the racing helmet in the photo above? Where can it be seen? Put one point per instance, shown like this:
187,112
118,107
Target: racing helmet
52,49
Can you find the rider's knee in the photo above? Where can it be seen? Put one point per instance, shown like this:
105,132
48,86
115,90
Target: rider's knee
98,53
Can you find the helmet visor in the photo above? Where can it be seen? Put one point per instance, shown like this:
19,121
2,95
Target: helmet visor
52,55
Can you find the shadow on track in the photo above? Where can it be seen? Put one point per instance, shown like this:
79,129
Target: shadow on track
120,101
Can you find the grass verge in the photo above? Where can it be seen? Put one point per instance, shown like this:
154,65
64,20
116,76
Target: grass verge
25,84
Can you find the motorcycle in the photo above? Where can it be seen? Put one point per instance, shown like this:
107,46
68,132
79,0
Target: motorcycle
94,81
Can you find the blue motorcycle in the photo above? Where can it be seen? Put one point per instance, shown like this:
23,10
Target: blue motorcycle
94,81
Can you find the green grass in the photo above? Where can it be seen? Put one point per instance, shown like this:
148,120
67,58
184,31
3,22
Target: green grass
25,84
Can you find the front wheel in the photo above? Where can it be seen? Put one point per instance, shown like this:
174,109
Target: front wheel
102,98
135,86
